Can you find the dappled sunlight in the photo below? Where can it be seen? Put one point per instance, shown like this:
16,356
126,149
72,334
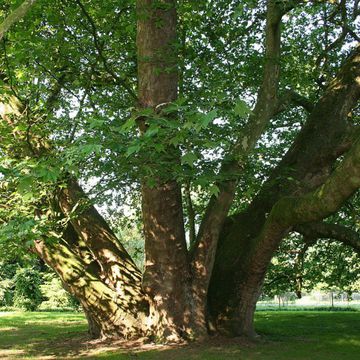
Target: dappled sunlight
349,341
11,353
284,335
11,328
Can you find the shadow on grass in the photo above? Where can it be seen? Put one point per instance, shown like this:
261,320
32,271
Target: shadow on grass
290,335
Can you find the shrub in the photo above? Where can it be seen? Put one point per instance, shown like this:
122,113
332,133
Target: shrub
55,296
6,292
27,294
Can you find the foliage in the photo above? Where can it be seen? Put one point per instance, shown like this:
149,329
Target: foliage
68,71
29,285
88,123
27,293
6,292
327,265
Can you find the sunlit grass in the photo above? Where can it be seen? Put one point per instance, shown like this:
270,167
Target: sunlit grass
285,335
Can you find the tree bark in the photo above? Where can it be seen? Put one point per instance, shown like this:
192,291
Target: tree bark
171,300
204,250
167,277
106,312
119,269
237,280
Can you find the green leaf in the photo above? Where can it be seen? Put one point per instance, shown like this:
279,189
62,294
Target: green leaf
189,159
87,149
129,124
152,130
25,185
239,11
133,149
159,147
241,108
214,190
206,119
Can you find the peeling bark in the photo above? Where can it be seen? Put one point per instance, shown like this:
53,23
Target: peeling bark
106,312
119,269
172,300
204,250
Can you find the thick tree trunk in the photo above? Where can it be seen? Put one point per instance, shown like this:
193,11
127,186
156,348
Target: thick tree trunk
119,272
241,258
169,301
204,249
105,310
167,276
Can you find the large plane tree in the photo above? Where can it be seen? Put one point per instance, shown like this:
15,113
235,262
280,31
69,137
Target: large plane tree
232,123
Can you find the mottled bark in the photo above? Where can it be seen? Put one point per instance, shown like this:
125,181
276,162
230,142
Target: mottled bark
90,260
169,302
322,230
119,269
307,165
104,308
166,278
204,250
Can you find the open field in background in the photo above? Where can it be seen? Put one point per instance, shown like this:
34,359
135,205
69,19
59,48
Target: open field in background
285,335
314,299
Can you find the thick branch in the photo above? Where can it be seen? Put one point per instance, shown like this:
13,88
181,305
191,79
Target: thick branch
292,97
123,275
217,210
98,299
97,235
15,16
326,199
247,244
291,211
322,230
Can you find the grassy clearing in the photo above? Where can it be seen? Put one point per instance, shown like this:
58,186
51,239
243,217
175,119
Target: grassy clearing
285,335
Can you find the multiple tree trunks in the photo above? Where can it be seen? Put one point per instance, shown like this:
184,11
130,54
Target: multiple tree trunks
219,280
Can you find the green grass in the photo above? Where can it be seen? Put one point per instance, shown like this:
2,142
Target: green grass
285,335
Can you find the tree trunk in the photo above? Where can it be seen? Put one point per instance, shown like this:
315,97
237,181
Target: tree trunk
105,310
118,268
167,274
171,300
240,263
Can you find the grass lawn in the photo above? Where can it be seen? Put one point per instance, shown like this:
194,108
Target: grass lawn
285,335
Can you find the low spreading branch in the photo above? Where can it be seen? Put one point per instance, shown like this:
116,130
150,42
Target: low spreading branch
322,230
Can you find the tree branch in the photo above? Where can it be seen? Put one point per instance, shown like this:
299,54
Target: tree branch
292,97
326,199
328,196
15,16
99,48
203,251
291,211
85,285
322,230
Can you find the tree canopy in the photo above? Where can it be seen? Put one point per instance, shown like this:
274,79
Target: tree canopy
222,127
